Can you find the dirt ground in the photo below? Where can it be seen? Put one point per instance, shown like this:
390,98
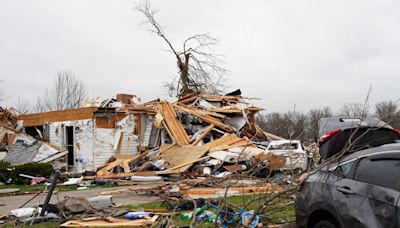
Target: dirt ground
8,203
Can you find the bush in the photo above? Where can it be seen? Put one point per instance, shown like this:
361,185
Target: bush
4,172
33,169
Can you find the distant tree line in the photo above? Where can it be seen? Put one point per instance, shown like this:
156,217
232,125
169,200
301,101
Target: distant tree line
304,125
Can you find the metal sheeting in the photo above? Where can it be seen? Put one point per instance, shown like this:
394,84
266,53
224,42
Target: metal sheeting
103,146
129,143
147,132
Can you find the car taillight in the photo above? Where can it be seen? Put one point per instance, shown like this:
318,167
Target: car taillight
396,131
329,135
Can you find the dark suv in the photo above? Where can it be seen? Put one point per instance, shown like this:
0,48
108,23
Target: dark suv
353,134
360,189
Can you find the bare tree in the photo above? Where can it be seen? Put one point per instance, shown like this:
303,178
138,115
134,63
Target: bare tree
354,110
68,93
314,115
289,125
389,111
22,106
199,66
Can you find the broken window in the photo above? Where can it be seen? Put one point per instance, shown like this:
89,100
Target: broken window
35,131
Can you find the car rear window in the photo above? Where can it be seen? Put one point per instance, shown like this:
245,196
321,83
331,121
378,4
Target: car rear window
285,146
381,172
360,138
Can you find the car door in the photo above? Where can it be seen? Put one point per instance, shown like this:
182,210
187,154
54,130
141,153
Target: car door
347,196
378,177
367,194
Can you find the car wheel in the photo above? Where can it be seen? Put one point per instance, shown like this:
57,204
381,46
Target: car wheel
325,224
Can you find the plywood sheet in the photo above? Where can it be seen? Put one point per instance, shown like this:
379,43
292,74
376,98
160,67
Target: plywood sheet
177,155
227,142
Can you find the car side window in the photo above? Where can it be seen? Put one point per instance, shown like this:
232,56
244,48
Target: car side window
381,172
345,170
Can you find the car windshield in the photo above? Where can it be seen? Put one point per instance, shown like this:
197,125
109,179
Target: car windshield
284,146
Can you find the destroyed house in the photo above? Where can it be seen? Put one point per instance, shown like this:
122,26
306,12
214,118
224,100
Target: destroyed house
90,135
120,132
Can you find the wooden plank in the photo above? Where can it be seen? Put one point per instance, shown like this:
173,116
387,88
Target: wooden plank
138,124
120,161
205,132
173,126
224,140
120,175
142,188
202,111
39,119
127,169
233,190
110,166
110,223
207,118
228,142
128,141
119,144
168,131
178,168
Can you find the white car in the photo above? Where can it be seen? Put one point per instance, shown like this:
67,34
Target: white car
293,150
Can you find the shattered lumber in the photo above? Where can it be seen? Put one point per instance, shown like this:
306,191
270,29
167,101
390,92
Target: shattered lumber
175,129
111,222
178,168
177,155
227,142
204,134
234,190
206,118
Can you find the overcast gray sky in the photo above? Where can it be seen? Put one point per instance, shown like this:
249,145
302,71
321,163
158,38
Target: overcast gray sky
288,52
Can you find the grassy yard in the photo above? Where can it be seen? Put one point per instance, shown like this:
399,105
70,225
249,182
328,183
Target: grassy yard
40,187
281,210
41,225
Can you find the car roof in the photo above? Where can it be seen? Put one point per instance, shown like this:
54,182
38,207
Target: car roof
328,124
391,147
285,141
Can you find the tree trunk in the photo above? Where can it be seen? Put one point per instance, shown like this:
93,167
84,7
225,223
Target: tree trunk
184,71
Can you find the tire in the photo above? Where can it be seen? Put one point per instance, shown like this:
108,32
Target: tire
325,224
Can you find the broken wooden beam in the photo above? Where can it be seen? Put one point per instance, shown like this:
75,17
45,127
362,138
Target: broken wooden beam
205,132
172,124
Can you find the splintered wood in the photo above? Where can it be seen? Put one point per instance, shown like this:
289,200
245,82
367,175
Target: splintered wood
202,135
275,162
184,155
204,117
111,222
235,190
172,124
227,142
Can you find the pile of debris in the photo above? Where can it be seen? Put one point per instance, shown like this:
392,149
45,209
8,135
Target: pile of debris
199,146
203,133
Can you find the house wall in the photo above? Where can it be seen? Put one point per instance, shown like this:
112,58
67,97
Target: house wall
83,140
103,146
94,146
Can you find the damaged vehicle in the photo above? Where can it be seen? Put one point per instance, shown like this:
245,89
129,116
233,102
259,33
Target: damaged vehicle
292,150
353,134
361,190
359,187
